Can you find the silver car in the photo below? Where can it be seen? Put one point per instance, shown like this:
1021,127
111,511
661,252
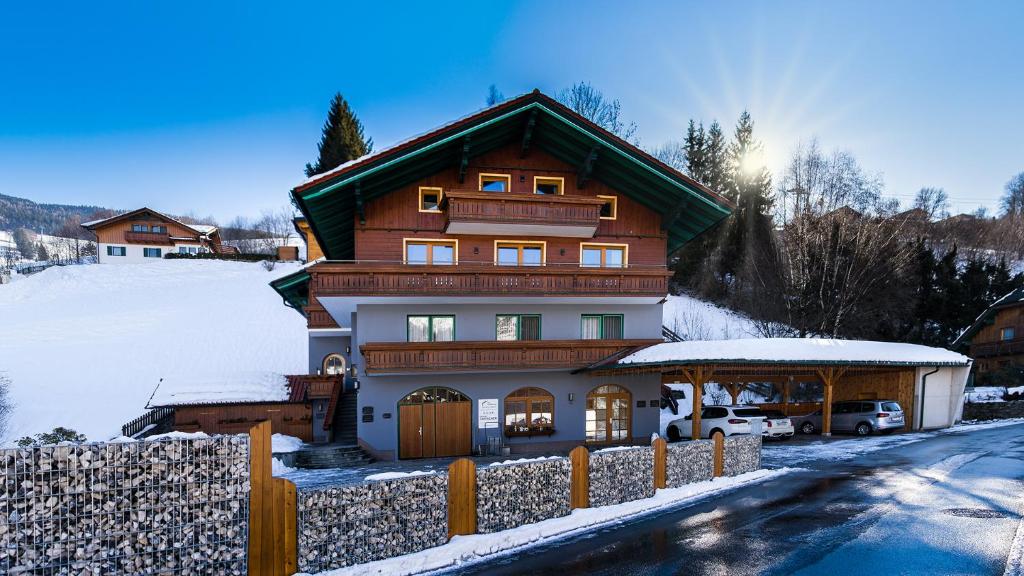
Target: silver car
862,417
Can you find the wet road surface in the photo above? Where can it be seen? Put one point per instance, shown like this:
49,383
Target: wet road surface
945,505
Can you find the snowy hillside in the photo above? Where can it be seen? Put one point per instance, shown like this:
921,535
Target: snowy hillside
694,319
84,346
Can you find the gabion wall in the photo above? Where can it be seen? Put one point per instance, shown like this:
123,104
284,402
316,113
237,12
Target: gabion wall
742,455
621,476
689,462
346,525
517,494
159,507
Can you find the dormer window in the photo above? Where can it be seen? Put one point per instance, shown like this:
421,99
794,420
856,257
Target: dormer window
430,199
495,182
547,185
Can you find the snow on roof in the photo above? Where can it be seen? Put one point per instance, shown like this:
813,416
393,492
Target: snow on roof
795,351
91,222
178,390
202,228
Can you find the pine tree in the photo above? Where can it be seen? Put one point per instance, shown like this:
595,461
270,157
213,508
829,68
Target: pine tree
694,148
342,140
494,96
716,170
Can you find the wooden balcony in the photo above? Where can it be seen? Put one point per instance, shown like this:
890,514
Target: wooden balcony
490,213
319,318
147,238
1000,348
385,279
471,356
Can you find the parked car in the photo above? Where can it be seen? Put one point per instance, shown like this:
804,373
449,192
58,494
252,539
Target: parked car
730,420
862,417
777,425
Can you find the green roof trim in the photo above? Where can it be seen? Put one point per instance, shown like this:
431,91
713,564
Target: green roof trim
329,202
294,289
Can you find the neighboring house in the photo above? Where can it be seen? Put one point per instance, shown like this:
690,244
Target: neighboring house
470,274
996,342
313,250
142,234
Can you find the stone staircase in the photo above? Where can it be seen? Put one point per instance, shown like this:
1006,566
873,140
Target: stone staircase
345,419
331,456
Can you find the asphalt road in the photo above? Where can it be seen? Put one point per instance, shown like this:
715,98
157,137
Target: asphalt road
912,509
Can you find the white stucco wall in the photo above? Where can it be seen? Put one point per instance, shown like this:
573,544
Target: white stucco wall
943,396
133,252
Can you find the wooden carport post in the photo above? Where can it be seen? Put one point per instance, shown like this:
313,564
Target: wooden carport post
829,376
697,376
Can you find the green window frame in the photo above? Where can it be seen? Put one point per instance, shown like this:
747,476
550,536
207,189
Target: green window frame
431,331
605,322
116,251
518,326
152,253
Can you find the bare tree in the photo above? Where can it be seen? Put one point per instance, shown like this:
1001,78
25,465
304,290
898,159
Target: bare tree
672,153
275,228
933,201
1012,202
591,103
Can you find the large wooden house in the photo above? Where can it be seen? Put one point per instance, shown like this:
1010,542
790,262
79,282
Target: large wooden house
144,234
473,272
996,342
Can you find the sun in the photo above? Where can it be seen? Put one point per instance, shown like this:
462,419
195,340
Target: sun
753,162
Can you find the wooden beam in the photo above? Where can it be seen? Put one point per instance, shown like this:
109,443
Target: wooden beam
785,397
698,376
734,391
829,376
579,481
528,133
464,161
583,175
360,208
461,498
660,463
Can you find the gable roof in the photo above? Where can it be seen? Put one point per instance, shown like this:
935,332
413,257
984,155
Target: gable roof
199,229
1014,298
330,201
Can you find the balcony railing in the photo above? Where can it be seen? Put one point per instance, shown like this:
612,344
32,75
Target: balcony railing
319,318
1001,348
389,279
414,357
472,212
147,238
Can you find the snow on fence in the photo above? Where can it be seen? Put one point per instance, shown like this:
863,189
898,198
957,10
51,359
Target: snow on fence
742,455
689,462
619,476
515,494
173,506
345,525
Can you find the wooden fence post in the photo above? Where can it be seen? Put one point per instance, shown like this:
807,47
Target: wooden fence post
719,439
579,479
272,512
461,497
660,462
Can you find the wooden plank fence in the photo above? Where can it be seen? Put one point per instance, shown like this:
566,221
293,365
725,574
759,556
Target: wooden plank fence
272,512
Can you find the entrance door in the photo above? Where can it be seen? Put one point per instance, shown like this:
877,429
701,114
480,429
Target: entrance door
434,422
608,414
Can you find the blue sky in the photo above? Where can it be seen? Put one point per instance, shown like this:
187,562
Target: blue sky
214,107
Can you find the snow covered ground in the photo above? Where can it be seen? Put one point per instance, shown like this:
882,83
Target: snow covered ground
84,346
695,319
990,393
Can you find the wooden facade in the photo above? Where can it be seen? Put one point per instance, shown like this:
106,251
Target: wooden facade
313,251
292,419
989,346
118,230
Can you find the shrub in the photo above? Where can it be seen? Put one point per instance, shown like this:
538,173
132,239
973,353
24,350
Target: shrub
58,435
215,256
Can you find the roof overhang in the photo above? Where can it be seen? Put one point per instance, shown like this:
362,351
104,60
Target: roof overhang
332,201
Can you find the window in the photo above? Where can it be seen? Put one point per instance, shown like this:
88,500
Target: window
518,327
608,416
495,182
436,252
182,249
610,208
151,252
603,255
430,199
140,228
159,229
1007,334
601,327
529,411
115,250
548,185
519,253
431,328
334,364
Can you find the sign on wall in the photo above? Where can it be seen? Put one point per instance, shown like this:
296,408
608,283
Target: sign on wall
487,412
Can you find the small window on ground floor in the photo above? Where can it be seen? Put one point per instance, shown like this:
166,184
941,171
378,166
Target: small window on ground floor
601,327
529,411
431,328
116,250
518,327
152,252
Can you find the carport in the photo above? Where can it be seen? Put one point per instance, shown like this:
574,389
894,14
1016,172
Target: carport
927,382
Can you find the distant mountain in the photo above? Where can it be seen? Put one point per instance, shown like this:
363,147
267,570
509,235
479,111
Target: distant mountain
46,218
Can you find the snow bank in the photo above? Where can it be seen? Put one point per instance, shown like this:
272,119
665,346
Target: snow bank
278,468
395,475
695,319
462,550
524,460
806,350
281,443
181,389
84,346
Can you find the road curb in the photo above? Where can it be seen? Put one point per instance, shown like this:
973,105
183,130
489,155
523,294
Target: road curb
1015,560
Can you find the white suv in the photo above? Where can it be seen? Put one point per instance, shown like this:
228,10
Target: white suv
730,420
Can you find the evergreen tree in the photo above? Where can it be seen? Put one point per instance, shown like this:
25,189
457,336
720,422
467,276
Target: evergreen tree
23,240
494,96
716,169
694,148
342,139
41,254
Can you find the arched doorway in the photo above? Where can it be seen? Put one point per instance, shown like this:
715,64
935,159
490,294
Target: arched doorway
434,422
609,418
